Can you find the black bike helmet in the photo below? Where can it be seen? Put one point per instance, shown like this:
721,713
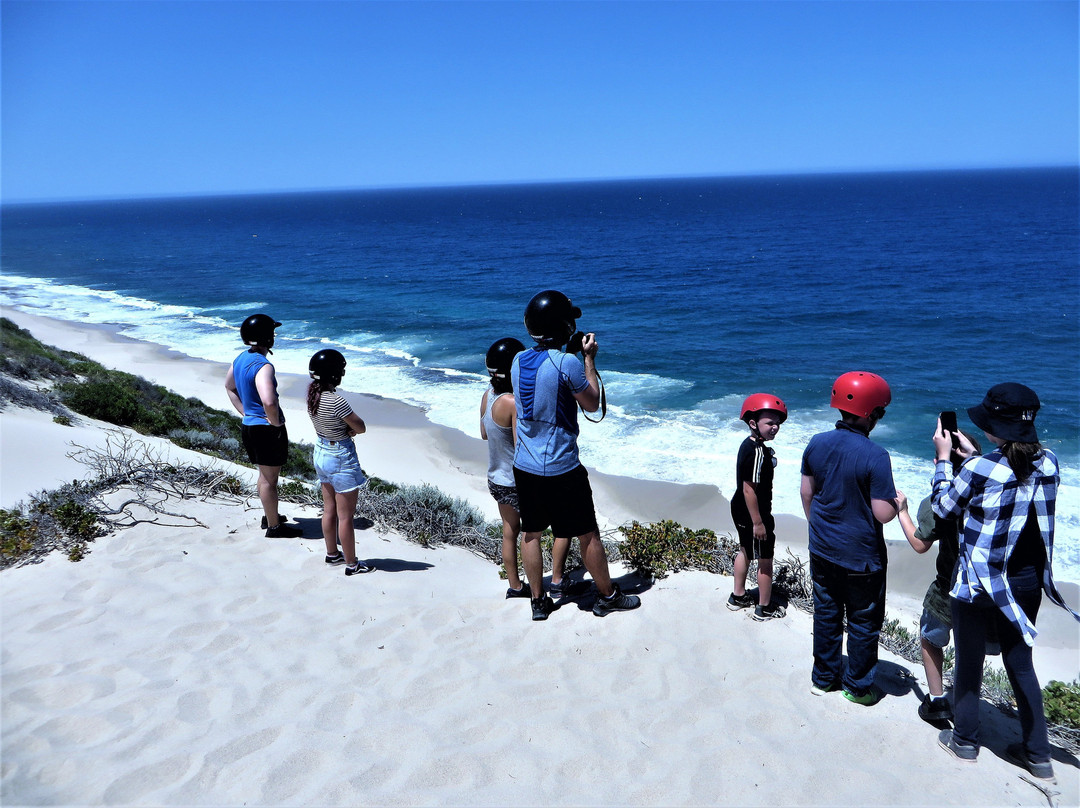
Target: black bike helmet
327,366
551,317
258,329
500,356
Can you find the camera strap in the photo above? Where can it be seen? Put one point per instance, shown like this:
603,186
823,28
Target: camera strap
603,403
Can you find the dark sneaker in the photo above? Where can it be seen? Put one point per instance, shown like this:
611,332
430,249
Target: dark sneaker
770,612
821,690
867,699
337,558
359,568
283,531
961,751
1016,753
744,601
935,709
542,607
524,592
557,590
618,602
280,519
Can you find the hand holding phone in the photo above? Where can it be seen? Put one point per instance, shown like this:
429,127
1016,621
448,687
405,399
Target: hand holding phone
949,427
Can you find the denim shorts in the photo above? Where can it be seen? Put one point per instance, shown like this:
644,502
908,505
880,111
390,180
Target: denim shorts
933,630
337,465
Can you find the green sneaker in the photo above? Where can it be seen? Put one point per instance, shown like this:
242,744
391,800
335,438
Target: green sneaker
867,699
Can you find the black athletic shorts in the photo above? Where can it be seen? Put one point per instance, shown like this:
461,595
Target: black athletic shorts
564,503
758,549
266,445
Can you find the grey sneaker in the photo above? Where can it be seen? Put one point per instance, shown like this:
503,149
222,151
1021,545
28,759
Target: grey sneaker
558,589
961,751
744,601
770,612
1016,753
618,602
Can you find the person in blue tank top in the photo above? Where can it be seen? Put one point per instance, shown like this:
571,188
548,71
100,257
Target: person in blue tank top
552,485
252,389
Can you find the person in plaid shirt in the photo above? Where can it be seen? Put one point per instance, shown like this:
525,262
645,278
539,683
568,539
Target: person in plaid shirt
1005,501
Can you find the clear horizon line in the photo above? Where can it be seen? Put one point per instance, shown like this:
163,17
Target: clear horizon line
420,186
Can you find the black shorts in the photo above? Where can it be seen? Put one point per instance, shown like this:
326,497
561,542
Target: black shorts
758,549
266,445
564,503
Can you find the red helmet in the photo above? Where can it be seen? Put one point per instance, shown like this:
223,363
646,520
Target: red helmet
763,401
860,393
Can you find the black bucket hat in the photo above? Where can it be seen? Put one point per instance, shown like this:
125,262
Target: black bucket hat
1008,412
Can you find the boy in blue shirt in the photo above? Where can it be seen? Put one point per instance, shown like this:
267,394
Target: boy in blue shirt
848,494
751,506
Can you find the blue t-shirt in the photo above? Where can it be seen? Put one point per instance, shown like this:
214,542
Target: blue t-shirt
849,470
545,381
245,367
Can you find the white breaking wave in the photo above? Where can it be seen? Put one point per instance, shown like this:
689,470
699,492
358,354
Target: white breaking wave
681,446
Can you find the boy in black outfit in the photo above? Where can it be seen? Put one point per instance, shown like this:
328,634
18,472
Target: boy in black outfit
751,506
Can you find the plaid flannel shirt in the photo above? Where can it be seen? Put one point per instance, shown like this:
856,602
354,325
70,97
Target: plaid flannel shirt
993,507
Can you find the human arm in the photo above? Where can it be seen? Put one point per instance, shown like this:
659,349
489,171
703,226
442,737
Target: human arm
918,545
749,491
267,390
589,397
807,491
355,423
233,393
885,510
483,409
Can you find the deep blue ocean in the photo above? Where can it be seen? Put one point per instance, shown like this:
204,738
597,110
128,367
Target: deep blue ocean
700,291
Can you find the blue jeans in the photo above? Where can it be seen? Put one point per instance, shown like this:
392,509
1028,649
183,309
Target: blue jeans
860,597
970,622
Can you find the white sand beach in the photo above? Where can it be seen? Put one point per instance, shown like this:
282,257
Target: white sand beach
213,666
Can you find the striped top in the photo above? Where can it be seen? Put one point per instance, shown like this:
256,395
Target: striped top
329,420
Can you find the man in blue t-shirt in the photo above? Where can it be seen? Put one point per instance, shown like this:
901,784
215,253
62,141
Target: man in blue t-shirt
252,388
553,487
848,494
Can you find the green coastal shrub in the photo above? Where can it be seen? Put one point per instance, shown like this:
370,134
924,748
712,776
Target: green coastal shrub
18,534
657,549
1061,703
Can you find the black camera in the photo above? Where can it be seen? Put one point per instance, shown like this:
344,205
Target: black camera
573,345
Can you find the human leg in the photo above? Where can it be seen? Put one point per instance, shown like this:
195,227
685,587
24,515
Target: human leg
532,559
345,507
595,560
969,636
511,528
764,581
267,488
865,609
560,549
828,623
1017,658
329,519
742,567
933,660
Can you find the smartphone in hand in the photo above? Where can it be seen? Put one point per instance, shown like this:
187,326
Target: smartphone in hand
948,424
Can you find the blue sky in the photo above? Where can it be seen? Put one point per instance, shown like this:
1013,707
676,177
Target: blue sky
115,99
